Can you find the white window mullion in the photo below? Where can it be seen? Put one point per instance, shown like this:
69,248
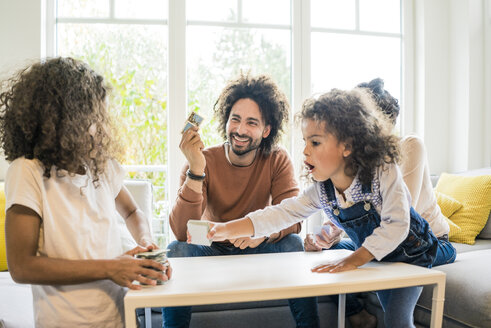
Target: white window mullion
408,117
301,84
111,9
300,69
48,29
177,102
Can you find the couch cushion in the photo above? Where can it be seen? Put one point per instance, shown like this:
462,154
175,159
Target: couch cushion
480,244
142,193
16,303
475,195
448,206
468,289
486,231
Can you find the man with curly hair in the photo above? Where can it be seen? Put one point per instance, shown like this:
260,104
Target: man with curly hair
246,173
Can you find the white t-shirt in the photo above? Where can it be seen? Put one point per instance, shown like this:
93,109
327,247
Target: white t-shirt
416,175
79,221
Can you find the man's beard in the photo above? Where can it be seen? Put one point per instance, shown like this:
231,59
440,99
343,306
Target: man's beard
253,145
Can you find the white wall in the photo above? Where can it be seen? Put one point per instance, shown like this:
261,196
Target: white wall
451,60
20,40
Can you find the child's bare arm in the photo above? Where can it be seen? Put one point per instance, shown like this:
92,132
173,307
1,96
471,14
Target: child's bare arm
358,258
135,219
22,232
231,230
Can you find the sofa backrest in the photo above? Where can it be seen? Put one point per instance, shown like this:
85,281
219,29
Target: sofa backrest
142,192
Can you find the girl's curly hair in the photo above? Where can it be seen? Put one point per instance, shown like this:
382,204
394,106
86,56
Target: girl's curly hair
272,103
352,117
384,100
55,111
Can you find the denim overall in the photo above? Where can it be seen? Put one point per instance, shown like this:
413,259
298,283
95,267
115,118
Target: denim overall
359,221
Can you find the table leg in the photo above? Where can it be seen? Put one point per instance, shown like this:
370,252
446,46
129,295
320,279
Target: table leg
148,317
437,305
341,310
129,315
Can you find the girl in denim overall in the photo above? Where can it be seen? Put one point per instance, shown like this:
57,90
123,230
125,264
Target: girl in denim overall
351,155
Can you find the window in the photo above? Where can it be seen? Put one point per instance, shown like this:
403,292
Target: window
355,41
227,37
145,47
126,42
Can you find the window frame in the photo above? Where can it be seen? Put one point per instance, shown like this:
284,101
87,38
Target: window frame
300,68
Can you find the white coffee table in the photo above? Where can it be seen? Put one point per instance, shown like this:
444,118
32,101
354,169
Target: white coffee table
243,278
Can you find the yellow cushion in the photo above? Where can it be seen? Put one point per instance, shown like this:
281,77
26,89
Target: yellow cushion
449,206
475,195
3,253
454,229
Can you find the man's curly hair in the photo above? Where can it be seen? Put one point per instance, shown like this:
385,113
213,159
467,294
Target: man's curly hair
354,120
46,112
272,103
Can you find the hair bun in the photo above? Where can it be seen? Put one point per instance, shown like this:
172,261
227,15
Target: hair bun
376,86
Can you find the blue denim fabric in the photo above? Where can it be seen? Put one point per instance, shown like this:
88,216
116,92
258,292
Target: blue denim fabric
359,221
445,253
304,310
398,305
419,247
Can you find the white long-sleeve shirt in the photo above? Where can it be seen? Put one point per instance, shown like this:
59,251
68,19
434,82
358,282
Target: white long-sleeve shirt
416,175
390,197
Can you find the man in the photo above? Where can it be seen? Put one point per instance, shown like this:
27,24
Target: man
246,173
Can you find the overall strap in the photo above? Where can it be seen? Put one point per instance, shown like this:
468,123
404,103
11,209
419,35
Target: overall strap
366,188
329,188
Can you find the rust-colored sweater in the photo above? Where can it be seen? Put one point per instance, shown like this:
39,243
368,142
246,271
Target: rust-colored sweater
231,192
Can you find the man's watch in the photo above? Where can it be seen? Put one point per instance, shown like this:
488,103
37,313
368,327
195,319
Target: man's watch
193,176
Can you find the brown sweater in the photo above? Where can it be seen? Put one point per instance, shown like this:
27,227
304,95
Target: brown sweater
231,192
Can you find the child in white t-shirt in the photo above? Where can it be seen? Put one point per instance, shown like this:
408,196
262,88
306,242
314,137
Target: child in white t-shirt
64,191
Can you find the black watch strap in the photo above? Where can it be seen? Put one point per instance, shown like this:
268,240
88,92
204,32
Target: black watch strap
193,176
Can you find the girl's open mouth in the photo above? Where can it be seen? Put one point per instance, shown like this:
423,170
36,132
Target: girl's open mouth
310,167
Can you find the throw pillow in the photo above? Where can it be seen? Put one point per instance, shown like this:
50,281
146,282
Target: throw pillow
474,192
447,204
453,228
3,253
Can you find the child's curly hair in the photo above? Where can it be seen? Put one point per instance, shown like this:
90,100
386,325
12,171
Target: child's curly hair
55,111
272,103
384,100
353,119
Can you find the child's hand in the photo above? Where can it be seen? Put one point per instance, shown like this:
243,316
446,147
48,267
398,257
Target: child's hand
358,258
245,242
125,269
345,264
188,237
309,244
147,244
218,232
327,239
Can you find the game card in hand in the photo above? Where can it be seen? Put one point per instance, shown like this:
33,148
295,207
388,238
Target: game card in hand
318,230
193,120
198,230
